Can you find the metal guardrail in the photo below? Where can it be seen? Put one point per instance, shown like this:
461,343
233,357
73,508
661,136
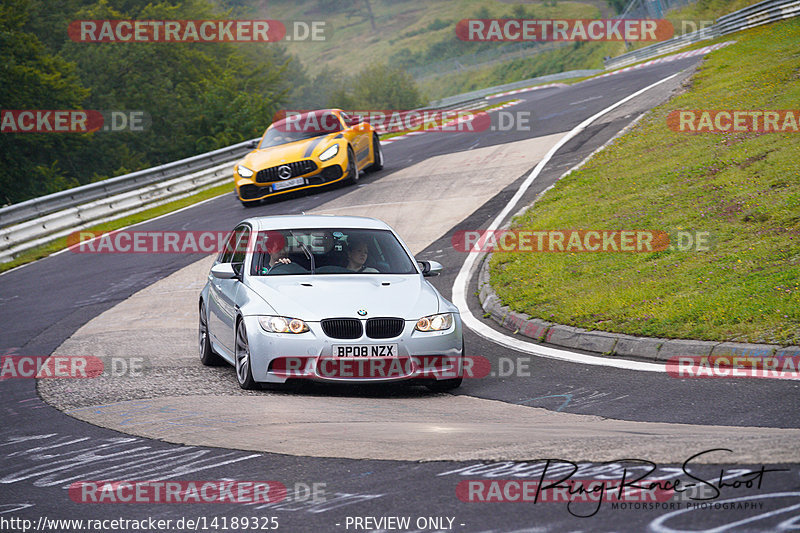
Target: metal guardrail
749,17
38,207
41,220
658,49
758,14
474,96
20,237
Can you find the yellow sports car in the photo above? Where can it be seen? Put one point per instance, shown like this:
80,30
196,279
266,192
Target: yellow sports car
305,151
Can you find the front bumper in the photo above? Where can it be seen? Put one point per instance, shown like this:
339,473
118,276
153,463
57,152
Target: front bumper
331,171
278,357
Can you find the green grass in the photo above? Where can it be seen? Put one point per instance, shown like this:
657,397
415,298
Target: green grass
353,44
59,244
742,188
575,56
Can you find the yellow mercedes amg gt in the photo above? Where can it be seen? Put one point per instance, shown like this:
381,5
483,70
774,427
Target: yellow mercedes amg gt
304,151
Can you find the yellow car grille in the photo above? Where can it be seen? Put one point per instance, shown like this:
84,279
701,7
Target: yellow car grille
286,171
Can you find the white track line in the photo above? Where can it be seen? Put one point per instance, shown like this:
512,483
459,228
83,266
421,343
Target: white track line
460,285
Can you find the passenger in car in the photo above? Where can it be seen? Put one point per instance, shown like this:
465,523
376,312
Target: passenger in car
357,252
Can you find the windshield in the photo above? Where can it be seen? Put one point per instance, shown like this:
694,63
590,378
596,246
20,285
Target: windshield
329,251
300,127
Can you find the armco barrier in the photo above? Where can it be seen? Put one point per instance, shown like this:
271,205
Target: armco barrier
18,238
35,222
38,207
749,17
479,95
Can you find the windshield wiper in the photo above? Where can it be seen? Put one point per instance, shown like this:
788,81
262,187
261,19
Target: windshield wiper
305,250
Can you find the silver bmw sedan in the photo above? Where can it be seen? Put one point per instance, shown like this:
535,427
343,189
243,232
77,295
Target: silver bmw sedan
327,298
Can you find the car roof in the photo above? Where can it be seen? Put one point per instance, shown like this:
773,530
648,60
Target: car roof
279,222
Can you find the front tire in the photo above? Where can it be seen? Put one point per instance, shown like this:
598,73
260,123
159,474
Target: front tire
207,355
352,169
377,154
250,203
244,369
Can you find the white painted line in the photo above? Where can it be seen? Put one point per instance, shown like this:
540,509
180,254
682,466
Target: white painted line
460,285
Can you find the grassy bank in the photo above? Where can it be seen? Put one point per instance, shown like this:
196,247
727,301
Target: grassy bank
573,56
742,188
411,25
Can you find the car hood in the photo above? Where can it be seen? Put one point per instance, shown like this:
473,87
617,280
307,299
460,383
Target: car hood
342,295
284,153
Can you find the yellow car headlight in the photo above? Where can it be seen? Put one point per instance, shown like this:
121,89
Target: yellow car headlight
244,172
329,152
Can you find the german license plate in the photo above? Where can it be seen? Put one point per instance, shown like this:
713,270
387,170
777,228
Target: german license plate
294,182
365,350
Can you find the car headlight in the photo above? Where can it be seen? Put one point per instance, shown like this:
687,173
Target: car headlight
329,152
282,324
244,171
435,322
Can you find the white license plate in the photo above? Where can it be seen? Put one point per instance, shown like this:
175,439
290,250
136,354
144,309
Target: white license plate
294,182
365,350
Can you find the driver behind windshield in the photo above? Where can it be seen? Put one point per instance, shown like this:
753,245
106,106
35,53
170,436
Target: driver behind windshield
278,251
357,252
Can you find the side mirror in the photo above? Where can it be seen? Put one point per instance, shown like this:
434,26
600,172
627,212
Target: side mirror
430,268
223,271
253,143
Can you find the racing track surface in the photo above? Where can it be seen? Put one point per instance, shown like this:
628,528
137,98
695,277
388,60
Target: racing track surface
46,302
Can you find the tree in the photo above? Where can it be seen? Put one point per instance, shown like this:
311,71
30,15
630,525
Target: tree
617,5
370,15
381,87
34,164
198,96
321,90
